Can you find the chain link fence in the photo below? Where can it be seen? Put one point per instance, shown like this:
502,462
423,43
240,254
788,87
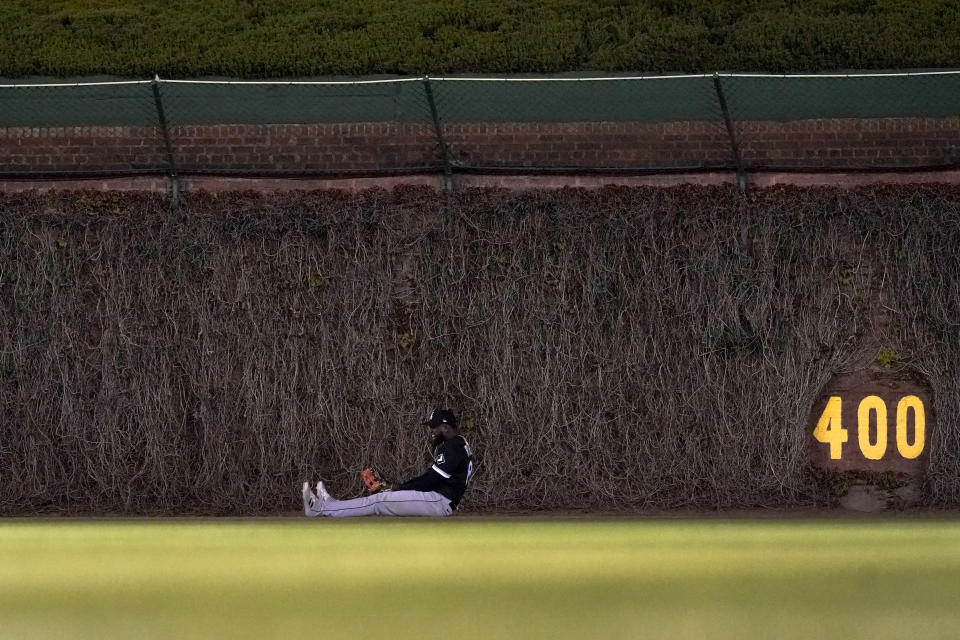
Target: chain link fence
642,124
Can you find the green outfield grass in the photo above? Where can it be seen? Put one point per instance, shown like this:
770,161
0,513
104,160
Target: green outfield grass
469,578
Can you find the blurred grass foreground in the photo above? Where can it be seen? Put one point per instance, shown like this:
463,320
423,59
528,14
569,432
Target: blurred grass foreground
473,578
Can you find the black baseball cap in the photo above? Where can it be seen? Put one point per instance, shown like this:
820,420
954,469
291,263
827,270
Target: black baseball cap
441,416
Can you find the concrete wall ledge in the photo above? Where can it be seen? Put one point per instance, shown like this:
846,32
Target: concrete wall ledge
220,184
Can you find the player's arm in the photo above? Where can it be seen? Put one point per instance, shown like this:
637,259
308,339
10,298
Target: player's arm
443,466
450,459
428,481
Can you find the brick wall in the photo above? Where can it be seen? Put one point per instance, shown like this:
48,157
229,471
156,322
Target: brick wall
591,144
834,143
843,143
80,149
306,148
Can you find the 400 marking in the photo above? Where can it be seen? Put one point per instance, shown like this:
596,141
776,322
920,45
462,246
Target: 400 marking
830,429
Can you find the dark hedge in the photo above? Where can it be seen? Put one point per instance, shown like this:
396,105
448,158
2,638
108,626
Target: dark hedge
621,348
259,38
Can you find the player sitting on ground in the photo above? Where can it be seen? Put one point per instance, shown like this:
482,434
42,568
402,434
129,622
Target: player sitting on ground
436,492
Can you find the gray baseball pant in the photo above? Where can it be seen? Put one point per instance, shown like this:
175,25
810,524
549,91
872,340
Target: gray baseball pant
386,503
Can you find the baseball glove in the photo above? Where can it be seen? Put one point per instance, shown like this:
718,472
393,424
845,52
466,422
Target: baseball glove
373,482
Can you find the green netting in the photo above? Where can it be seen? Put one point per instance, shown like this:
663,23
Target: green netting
92,105
250,103
685,98
666,99
788,98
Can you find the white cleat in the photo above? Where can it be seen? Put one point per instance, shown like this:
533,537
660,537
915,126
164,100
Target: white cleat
308,499
322,492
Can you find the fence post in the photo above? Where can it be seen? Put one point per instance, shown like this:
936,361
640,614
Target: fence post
444,151
741,176
171,164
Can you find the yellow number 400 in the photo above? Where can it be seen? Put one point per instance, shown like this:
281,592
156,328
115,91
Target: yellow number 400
830,427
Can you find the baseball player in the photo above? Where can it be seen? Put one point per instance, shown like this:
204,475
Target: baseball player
436,492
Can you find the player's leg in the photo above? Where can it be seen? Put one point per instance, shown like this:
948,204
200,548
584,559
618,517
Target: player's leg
388,503
413,503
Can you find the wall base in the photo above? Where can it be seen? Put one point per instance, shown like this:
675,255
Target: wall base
220,184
